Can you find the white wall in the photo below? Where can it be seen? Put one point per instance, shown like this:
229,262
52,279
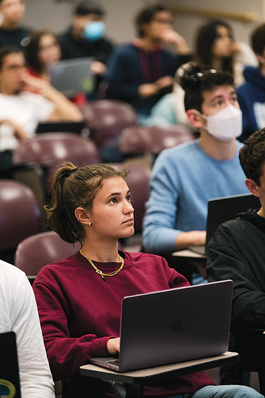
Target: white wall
120,15
187,25
57,16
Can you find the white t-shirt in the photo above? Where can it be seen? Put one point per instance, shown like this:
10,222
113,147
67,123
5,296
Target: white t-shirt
27,110
18,313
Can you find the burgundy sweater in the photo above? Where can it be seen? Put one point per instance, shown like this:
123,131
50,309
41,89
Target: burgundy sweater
79,312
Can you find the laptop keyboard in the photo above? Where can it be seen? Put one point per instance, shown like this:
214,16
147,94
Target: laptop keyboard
114,362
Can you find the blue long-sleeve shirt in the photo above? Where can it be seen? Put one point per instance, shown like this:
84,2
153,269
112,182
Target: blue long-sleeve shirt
183,180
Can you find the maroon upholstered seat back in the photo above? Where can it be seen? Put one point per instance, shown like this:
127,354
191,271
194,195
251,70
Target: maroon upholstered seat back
20,215
49,149
153,139
107,118
41,249
138,183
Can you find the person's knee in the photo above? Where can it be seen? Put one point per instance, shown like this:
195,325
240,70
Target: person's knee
244,392
228,391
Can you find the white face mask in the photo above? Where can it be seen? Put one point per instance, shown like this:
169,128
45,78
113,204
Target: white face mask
225,124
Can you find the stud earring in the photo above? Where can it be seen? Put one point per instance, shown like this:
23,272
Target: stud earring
89,224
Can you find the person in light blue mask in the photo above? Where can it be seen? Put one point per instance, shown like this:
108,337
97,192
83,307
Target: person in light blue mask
86,37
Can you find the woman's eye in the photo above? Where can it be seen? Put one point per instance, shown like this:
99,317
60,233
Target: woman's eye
128,198
113,200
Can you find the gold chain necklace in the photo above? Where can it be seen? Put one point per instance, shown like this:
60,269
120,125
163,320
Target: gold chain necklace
98,271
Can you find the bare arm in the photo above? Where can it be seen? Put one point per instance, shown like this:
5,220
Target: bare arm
18,130
149,89
185,239
65,109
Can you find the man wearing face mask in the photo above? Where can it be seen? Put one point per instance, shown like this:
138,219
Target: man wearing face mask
85,37
185,177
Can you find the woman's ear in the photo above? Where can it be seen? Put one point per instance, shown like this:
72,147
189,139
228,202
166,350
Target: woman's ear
82,215
194,118
253,187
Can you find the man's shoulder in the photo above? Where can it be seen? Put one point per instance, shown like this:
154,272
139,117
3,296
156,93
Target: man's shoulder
183,151
27,97
22,100
10,273
177,157
106,42
22,30
66,34
236,227
126,49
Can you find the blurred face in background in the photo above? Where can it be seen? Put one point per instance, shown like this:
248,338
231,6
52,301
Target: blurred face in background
12,73
49,50
12,12
80,22
161,22
223,44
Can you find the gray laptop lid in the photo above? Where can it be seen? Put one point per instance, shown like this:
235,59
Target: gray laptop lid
9,373
72,76
174,325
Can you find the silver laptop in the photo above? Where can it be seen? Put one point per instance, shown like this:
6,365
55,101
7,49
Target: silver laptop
72,76
172,325
224,209
9,372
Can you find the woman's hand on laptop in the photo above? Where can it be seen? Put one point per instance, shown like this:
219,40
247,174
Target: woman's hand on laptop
113,345
185,239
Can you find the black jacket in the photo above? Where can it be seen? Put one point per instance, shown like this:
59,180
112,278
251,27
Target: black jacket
100,50
237,252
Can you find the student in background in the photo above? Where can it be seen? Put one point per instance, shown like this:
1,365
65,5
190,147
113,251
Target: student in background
42,51
86,38
141,72
251,95
215,47
21,109
185,177
11,31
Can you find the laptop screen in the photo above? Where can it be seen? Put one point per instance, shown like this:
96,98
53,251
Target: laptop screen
73,76
9,372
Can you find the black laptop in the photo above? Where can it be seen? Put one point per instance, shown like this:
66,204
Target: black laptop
224,209
9,372
173,325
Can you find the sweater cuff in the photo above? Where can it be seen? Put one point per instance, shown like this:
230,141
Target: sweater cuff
99,347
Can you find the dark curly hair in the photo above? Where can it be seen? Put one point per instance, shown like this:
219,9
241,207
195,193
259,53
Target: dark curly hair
196,79
252,156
